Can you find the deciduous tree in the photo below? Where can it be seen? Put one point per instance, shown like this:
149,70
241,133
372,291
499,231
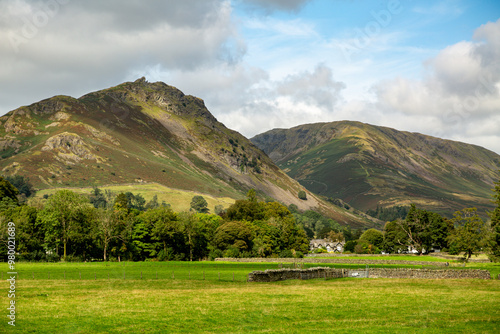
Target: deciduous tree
199,204
63,217
470,232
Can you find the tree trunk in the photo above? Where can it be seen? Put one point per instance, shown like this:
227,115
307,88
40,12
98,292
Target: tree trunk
105,249
190,249
64,256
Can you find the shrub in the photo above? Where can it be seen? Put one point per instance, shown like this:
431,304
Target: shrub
214,254
286,254
350,245
319,250
302,195
232,252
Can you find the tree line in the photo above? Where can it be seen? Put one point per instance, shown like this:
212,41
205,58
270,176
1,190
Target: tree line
103,225
424,231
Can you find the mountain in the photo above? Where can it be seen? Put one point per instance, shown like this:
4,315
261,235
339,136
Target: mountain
369,166
140,132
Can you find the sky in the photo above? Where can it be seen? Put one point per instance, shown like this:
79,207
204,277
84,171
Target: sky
431,67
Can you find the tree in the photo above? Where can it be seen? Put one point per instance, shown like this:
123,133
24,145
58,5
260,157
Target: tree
153,203
424,229
219,210
350,245
199,204
232,234
373,237
63,217
470,233
135,202
335,236
8,192
29,234
121,202
98,199
494,239
110,225
395,238
165,226
22,184
302,195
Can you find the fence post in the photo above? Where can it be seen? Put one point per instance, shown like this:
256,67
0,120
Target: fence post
65,274
33,275
80,273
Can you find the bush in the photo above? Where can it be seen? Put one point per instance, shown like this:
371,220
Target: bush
286,254
364,247
214,254
302,195
232,252
350,245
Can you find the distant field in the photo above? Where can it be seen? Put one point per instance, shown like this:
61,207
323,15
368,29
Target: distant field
179,199
390,257
181,301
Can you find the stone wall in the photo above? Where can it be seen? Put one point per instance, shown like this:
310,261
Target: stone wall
273,275
429,273
340,260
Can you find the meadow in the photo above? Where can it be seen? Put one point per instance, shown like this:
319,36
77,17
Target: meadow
178,199
201,297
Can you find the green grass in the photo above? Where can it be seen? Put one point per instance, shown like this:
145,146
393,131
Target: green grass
183,305
179,200
391,258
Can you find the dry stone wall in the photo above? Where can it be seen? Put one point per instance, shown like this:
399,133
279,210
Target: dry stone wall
273,275
342,260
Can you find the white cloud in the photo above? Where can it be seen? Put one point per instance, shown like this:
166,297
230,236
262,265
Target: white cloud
460,97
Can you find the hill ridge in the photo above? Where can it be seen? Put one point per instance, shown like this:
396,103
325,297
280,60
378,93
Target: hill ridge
385,166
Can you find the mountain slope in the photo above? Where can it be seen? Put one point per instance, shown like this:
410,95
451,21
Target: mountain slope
140,132
368,165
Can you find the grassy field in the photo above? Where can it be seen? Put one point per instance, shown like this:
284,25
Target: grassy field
178,199
191,298
426,258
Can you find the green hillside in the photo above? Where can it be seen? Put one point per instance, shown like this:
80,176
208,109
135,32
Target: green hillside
369,166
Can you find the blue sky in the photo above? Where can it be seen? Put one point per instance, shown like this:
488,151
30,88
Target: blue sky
424,66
